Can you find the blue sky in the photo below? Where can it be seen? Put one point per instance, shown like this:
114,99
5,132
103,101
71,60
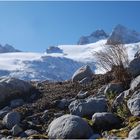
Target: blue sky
33,26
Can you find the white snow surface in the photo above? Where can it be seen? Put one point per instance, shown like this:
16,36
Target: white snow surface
55,66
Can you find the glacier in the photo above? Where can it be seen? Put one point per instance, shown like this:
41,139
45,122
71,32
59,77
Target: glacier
55,66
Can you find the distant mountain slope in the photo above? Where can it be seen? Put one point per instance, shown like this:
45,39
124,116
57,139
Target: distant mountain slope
8,48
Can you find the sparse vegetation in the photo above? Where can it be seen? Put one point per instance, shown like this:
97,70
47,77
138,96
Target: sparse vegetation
123,111
114,58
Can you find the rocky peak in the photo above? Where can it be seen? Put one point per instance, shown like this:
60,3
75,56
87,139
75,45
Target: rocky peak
54,49
123,35
94,37
99,33
8,48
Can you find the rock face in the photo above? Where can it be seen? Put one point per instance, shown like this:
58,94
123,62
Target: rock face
114,87
81,73
11,88
122,35
88,107
53,49
11,119
94,37
134,104
69,127
134,67
105,120
135,133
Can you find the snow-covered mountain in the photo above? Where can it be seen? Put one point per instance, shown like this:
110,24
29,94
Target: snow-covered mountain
61,61
94,37
123,35
54,66
8,48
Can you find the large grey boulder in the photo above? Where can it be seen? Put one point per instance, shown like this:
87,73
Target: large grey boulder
105,120
11,119
82,73
88,106
134,104
134,133
134,67
135,83
11,88
114,88
69,127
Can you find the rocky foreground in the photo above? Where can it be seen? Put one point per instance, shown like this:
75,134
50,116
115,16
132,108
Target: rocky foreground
88,107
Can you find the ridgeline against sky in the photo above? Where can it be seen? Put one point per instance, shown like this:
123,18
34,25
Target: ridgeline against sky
33,26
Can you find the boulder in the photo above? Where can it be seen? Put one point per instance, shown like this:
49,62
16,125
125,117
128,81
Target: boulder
11,88
82,95
121,97
62,104
95,136
69,127
86,80
11,119
30,132
45,115
135,83
105,120
81,73
101,90
134,103
4,111
88,106
114,88
16,129
134,133
134,67
16,103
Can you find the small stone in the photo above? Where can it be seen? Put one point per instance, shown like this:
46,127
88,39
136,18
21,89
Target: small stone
30,132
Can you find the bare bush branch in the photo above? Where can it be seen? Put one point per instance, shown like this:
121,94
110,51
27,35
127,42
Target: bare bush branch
114,58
